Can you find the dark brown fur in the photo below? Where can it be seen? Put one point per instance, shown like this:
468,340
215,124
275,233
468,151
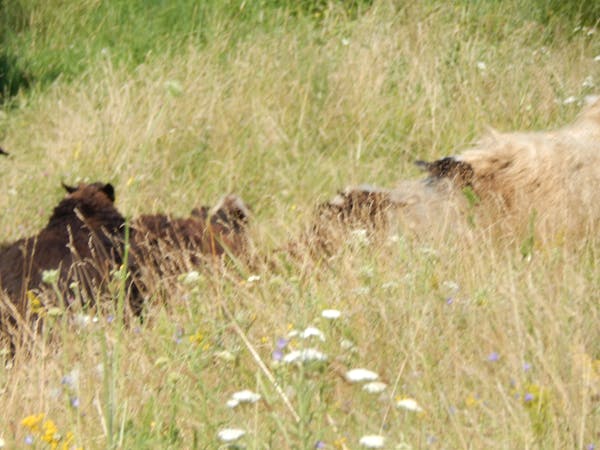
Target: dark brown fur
83,240
459,172
160,241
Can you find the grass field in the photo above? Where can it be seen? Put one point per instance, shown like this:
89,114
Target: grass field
284,103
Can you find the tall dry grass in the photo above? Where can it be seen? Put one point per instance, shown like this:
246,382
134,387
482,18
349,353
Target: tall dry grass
499,350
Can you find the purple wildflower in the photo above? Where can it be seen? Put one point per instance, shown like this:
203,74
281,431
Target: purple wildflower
277,355
493,357
75,402
449,301
281,343
320,444
28,439
528,397
526,366
110,318
590,447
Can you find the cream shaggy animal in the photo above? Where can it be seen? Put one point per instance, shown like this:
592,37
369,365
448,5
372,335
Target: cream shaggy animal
505,182
554,173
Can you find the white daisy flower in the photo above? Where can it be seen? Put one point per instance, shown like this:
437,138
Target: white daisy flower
253,278
360,375
374,387
481,65
409,404
372,441
230,434
569,100
331,314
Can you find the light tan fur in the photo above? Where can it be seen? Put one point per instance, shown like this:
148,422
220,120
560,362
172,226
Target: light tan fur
546,179
554,173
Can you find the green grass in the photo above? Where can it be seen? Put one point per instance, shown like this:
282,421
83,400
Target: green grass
177,103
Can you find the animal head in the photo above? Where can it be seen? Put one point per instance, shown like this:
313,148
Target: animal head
93,203
230,212
83,190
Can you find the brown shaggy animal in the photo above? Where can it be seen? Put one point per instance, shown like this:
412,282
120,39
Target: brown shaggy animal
83,240
506,182
162,243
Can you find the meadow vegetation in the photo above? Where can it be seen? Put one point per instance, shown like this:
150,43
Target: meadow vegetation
179,102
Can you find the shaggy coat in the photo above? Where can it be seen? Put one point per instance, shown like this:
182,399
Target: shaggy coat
506,181
162,243
83,240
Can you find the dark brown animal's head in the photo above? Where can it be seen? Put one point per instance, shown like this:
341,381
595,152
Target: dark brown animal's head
92,204
230,213
459,172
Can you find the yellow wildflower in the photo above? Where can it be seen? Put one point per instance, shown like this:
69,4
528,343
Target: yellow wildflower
67,442
196,338
50,433
340,442
471,401
33,422
35,304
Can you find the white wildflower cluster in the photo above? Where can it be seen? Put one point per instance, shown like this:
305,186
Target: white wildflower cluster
230,434
410,405
304,356
331,314
372,441
306,352
244,396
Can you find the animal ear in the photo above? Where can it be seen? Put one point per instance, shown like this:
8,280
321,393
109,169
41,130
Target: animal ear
109,190
69,189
